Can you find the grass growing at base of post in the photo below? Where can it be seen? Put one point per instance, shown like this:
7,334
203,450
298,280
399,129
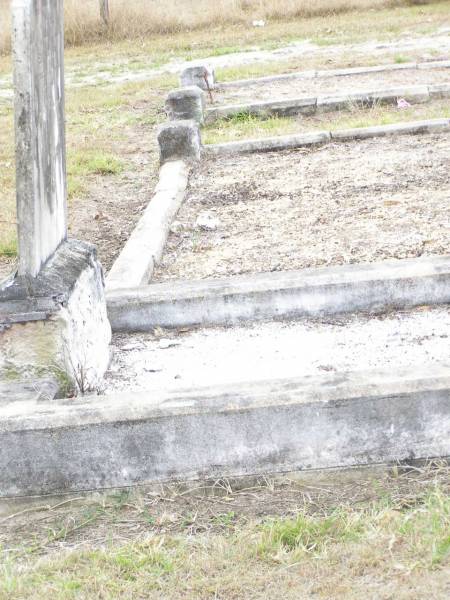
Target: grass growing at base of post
246,126
334,544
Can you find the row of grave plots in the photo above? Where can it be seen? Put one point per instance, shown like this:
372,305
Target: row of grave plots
295,317
324,83
353,202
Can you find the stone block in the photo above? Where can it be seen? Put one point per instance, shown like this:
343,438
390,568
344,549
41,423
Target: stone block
202,76
179,140
186,103
56,325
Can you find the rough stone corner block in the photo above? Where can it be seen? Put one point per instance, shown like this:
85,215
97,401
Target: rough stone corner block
56,325
186,103
201,76
179,140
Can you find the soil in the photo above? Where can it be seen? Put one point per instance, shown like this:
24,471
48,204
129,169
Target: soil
281,90
114,204
355,202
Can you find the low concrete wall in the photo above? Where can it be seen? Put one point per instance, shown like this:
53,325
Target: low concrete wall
342,420
325,103
144,248
284,295
288,142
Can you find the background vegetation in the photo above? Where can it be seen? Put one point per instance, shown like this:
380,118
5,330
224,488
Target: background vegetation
141,18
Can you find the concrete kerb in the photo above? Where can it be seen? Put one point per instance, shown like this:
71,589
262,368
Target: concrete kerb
289,142
333,421
144,248
308,106
316,74
308,293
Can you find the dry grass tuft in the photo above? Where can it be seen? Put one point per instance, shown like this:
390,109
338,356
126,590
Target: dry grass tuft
142,18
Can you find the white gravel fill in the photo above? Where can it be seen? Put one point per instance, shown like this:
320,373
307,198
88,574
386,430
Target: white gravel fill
276,350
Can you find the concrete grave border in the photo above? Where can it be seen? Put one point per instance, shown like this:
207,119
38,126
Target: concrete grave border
311,423
303,105
289,142
144,248
142,252
316,74
371,288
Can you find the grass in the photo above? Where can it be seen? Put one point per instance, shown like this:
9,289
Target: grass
135,20
393,543
98,120
247,126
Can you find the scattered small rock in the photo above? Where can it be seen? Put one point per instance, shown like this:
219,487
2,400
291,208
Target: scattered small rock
176,227
132,346
207,221
165,344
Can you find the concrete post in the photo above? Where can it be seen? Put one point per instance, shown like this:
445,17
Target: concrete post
104,11
53,319
38,48
201,76
179,140
186,103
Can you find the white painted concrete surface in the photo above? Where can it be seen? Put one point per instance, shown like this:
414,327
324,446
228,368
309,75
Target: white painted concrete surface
277,350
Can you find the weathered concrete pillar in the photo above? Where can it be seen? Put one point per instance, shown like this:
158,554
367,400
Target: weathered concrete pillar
202,76
186,103
179,140
53,320
38,47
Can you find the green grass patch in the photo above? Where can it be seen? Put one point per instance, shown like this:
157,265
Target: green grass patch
245,125
8,248
94,162
243,558
310,534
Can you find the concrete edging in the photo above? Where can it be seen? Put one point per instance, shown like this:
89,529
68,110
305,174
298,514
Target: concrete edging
317,292
312,74
289,142
328,102
144,248
332,421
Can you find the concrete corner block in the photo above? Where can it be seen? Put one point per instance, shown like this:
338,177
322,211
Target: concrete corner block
56,325
186,103
202,76
179,140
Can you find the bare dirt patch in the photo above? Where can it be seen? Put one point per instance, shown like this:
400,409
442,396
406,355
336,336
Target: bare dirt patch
113,205
331,85
353,202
